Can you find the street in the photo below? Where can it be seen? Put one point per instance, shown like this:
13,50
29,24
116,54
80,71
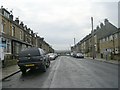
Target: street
68,72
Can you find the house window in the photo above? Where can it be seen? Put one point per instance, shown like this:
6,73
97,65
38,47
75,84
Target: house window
13,31
116,36
111,38
100,41
2,27
30,32
6,14
17,48
8,49
30,39
103,40
26,38
21,35
107,38
4,44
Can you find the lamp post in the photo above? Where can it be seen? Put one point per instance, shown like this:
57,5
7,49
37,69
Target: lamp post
74,41
93,56
74,45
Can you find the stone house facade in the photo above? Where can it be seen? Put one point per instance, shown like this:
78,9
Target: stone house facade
98,41
15,36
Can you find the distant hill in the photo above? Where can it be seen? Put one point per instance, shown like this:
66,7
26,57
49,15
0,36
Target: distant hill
62,51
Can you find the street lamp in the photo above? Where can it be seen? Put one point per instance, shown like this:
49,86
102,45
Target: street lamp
92,39
74,41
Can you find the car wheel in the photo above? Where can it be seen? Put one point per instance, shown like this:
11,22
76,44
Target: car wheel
48,64
23,71
44,67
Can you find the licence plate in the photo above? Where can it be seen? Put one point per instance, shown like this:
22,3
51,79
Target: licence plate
29,65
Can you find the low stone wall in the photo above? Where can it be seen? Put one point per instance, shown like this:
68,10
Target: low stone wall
9,60
102,56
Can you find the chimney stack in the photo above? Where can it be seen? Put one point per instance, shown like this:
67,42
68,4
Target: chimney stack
21,24
101,25
25,27
17,20
11,17
42,39
106,21
97,27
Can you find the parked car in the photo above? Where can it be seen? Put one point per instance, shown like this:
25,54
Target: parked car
33,58
52,56
71,54
67,54
79,55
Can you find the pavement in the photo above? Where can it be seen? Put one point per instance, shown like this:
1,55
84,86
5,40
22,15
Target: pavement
103,60
8,71
11,70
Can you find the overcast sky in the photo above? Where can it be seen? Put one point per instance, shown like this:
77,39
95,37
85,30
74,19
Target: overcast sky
60,21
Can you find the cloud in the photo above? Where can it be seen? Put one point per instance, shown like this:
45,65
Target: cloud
102,10
59,21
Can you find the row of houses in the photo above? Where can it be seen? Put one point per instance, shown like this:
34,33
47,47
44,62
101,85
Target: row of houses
15,36
102,41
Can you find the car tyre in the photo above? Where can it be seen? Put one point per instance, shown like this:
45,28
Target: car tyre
48,64
44,67
23,71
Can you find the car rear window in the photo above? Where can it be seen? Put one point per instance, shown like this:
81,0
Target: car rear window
30,51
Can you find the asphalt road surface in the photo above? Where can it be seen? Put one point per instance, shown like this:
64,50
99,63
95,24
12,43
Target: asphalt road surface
68,72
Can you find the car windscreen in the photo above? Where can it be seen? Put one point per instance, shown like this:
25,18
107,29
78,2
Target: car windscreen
29,52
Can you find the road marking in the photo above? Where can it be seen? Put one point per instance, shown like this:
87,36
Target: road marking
49,80
56,67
